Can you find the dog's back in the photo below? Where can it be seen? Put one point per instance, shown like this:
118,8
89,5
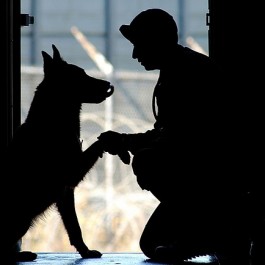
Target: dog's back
45,158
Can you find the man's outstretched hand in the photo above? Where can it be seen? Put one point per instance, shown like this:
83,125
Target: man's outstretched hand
125,157
113,143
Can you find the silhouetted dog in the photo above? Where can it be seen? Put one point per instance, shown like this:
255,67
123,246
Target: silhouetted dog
46,161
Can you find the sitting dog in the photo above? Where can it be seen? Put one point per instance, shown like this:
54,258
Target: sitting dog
45,160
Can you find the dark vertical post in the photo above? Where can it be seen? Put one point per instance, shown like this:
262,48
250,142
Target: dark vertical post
10,77
216,32
5,74
16,62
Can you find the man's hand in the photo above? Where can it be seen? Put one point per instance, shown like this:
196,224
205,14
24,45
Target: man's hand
125,157
113,143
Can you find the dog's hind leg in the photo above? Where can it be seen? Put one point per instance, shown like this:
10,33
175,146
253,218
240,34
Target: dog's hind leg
13,231
66,208
13,254
25,256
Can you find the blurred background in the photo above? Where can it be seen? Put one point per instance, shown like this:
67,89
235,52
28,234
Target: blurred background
111,208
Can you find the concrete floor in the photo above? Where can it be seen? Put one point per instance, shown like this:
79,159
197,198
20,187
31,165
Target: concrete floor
106,259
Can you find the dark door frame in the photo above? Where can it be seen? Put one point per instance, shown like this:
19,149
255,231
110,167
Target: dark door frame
10,77
10,94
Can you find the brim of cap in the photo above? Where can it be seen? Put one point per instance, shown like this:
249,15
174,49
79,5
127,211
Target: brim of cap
126,32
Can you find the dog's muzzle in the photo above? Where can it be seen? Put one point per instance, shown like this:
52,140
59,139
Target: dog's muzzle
110,90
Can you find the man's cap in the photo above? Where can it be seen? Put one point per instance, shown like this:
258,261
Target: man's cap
151,24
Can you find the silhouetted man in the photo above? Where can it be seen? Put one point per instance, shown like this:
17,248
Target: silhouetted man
183,160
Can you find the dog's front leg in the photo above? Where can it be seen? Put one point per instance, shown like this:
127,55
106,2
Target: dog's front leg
66,208
90,156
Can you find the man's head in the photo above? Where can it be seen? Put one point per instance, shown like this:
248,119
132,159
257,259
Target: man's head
151,25
154,34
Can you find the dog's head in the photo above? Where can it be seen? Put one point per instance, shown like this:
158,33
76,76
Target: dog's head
72,80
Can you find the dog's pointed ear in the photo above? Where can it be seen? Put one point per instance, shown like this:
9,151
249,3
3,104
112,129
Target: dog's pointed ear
47,61
56,54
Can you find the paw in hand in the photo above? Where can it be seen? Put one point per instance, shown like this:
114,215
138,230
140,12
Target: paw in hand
125,157
113,143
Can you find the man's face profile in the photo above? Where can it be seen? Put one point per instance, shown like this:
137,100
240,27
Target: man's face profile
147,54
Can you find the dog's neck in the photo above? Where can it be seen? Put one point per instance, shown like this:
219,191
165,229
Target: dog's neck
49,113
